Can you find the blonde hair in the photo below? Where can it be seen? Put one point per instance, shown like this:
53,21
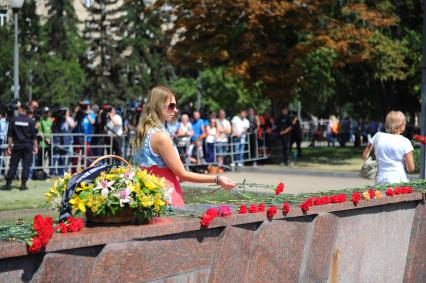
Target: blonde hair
152,112
394,122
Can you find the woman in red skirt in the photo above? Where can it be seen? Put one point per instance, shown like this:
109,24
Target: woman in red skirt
156,151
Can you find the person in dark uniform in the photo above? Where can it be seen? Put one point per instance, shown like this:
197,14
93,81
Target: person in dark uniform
284,128
22,141
296,136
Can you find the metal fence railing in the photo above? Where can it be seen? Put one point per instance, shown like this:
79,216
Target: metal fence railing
72,152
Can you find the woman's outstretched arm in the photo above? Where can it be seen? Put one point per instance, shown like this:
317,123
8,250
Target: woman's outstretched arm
162,145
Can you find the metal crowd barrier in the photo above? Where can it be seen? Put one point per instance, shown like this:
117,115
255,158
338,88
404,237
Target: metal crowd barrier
250,151
58,158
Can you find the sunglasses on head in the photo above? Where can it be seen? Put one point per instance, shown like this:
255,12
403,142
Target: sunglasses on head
171,106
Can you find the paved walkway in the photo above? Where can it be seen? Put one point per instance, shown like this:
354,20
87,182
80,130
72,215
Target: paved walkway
296,181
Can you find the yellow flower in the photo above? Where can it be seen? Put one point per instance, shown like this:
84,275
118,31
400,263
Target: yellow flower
77,203
366,195
109,177
146,201
67,175
159,202
378,194
84,187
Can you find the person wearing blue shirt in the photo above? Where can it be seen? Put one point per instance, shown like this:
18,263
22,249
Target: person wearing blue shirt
197,126
88,120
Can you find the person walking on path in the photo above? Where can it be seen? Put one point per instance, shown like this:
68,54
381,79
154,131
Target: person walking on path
296,137
22,144
156,152
394,152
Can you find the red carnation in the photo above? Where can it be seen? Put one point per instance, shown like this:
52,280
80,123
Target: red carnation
206,219
389,192
243,209
310,202
342,197
286,208
261,207
73,227
36,245
38,222
304,206
279,189
45,234
225,210
372,193
325,200
356,197
253,208
49,220
61,228
398,191
213,212
318,201
80,223
271,211
407,190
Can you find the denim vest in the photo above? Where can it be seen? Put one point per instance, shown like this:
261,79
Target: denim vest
145,156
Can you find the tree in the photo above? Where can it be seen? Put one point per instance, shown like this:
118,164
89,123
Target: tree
144,46
62,36
103,63
58,81
6,63
271,41
219,89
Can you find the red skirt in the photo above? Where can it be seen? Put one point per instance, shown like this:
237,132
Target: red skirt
172,184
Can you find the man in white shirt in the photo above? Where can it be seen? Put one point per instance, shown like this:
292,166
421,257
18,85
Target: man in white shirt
115,128
240,125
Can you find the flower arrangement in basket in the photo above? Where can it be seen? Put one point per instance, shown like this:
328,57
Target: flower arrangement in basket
113,195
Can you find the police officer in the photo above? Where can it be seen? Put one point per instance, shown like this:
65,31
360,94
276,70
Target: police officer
22,144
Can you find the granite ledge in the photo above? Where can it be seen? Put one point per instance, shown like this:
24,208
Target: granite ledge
173,225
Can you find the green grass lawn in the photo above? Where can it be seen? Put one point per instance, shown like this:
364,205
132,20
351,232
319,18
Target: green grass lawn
330,155
338,158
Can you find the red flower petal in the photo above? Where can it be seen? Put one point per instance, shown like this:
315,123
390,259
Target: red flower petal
253,208
286,208
206,219
213,212
372,193
356,197
271,211
243,209
36,245
279,189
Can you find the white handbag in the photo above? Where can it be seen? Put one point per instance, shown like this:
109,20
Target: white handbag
369,166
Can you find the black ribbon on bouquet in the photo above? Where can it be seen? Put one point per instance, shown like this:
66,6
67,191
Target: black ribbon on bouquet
86,175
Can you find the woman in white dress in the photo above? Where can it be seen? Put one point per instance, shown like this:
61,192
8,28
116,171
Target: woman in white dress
394,152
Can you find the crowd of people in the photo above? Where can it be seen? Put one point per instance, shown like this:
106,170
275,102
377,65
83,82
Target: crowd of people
66,136
355,131
205,141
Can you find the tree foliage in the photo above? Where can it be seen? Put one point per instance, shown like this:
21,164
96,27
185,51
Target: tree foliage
144,45
219,89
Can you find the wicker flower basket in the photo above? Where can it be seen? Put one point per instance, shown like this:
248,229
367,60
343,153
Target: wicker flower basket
124,215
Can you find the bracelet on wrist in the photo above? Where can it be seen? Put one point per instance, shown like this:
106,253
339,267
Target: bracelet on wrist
217,179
